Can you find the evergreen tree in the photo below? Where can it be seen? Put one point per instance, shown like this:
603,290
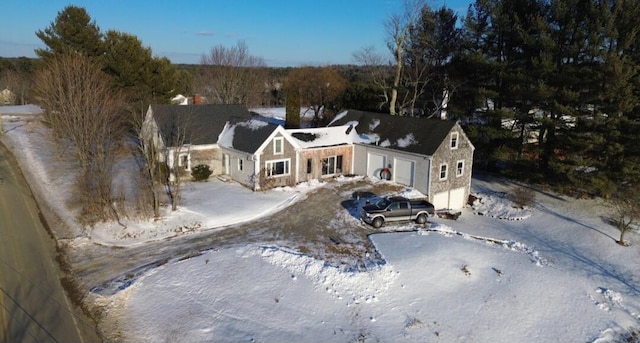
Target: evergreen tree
72,31
142,78
292,120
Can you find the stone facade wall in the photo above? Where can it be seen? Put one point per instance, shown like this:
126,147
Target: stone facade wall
446,155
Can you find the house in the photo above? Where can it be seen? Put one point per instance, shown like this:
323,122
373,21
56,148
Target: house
7,97
187,135
255,151
433,156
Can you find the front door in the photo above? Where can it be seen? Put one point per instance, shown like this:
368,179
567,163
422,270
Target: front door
225,163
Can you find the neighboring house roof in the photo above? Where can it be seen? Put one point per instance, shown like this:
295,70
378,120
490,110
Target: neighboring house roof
180,100
247,136
410,134
195,124
324,137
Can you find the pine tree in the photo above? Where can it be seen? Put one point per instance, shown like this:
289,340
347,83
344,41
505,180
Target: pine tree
292,120
72,31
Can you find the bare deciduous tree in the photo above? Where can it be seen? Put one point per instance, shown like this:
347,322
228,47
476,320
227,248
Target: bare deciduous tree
317,87
374,64
151,167
86,116
231,76
626,212
397,28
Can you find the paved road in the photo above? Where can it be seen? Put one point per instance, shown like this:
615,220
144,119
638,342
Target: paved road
33,305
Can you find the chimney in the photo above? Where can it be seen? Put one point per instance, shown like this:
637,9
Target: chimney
197,99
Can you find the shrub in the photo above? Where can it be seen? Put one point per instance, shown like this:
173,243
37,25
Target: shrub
265,181
201,172
522,196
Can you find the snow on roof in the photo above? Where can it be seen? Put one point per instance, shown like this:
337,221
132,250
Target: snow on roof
228,133
338,117
324,136
407,140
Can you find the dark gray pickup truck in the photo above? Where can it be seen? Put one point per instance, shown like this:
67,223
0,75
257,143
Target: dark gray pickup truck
396,209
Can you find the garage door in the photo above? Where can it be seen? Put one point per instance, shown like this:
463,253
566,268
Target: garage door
453,199
456,198
441,201
404,171
375,164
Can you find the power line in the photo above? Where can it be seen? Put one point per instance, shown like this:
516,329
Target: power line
35,286
28,314
7,310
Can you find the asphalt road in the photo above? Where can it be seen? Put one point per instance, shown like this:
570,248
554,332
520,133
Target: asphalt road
33,305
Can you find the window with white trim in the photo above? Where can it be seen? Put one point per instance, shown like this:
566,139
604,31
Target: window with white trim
278,146
443,171
240,164
454,140
278,167
332,165
459,168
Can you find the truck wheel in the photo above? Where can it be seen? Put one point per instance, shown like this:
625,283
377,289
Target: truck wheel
421,219
378,222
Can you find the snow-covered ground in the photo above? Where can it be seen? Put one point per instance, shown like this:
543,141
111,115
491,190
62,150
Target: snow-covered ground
550,272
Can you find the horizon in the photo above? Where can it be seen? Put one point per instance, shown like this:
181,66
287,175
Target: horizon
295,34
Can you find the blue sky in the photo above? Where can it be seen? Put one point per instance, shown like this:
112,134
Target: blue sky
283,32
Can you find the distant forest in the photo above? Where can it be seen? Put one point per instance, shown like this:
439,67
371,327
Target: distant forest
548,91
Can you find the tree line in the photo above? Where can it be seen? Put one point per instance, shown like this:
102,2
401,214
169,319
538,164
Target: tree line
548,91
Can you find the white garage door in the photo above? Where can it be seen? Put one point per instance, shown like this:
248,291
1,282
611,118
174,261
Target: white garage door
453,199
456,198
404,171
441,201
375,164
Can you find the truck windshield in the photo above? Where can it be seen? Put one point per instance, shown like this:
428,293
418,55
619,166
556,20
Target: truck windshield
382,203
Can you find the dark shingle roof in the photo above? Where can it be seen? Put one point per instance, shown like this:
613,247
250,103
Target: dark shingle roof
246,135
200,124
425,134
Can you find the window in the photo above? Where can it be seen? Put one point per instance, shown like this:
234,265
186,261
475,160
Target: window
454,140
309,169
459,168
278,167
183,161
240,164
332,165
277,146
404,205
443,171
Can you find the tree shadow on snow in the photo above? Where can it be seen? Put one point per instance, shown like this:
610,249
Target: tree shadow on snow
356,201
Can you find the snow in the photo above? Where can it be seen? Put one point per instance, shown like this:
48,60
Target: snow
325,136
239,204
548,272
407,140
226,136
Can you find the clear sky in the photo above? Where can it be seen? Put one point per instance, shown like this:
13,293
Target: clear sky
283,32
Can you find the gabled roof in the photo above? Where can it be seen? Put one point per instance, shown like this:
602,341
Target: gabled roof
410,134
324,136
195,124
246,135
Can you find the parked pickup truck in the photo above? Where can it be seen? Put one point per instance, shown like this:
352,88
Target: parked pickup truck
396,209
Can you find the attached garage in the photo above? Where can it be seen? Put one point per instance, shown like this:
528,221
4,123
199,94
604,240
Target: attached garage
453,199
375,163
404,171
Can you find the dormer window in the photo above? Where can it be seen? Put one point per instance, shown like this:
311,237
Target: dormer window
454,140
278,148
